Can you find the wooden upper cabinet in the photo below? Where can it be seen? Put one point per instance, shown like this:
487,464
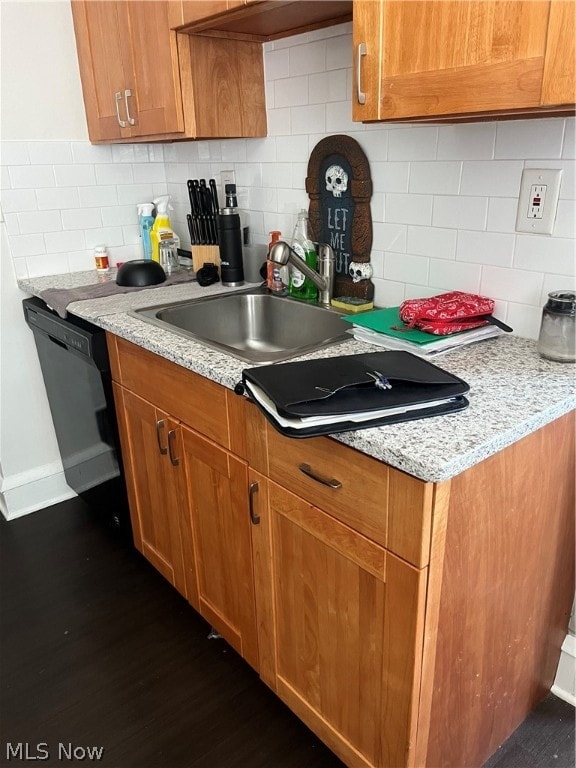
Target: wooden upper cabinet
142,80
446,58
128,67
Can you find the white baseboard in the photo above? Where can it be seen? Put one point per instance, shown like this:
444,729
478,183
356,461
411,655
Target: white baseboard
565,684
32,490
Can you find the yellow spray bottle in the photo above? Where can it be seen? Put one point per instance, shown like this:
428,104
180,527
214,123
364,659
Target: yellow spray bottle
162,228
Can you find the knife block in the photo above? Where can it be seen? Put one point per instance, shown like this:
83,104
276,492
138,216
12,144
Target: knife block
203,254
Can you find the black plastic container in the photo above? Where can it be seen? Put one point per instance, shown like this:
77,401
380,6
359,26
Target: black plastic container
230,240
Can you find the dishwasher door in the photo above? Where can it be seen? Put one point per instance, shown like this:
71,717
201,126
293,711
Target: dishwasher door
75,367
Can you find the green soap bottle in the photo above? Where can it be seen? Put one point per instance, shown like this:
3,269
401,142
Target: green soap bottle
302,287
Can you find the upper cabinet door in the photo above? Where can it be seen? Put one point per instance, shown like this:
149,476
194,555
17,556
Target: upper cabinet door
129,68
100,40
559,86
445,58
151,59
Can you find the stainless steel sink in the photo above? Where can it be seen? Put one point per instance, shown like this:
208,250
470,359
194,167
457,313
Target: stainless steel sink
252,325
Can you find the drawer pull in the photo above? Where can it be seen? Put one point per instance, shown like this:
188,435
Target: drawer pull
159,427
253,516
315,476
171,437
360,94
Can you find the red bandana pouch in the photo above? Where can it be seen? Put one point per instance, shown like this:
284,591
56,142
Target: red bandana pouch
446,313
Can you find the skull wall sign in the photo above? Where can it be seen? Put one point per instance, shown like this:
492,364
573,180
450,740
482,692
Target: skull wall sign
336,180
360,271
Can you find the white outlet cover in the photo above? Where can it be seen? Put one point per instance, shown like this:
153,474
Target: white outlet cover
548,182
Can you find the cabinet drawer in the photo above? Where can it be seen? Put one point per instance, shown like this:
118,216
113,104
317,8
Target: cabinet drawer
185,395
384,504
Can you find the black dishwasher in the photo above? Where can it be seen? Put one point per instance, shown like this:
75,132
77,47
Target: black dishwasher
76,369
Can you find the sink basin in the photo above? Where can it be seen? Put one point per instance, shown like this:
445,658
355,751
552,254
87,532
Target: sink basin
252,325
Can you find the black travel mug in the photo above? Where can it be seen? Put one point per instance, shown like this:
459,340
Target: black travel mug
230,241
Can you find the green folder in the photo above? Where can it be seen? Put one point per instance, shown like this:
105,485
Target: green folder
384,320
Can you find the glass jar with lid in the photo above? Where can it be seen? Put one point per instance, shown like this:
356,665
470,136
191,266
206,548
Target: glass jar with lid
557,339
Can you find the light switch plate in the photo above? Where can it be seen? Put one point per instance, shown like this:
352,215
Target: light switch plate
538,201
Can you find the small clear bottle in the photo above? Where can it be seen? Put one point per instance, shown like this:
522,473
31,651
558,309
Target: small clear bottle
302,287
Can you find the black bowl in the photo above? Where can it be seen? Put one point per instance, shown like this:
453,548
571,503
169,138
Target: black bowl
140,273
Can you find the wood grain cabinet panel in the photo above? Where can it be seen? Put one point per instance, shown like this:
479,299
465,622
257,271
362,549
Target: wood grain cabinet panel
345,648
142,80
450,59
156,486
218,491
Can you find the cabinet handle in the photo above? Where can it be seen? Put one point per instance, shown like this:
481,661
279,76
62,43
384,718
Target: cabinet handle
159,427
253,516
315,476
171,437
130,119
361,51
117,98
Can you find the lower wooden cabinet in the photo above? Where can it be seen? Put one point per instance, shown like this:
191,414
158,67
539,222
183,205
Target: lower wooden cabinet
217,484
393,616
340,623
151,445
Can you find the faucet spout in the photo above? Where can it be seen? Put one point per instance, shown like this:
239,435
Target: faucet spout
282,253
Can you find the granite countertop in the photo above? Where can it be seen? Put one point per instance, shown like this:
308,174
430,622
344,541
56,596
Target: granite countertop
513,391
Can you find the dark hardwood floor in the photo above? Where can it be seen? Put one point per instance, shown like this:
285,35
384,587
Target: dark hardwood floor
97,650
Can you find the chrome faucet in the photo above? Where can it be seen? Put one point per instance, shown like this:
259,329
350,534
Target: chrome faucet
281,253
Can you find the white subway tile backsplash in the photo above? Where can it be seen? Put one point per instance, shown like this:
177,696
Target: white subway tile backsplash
61,242
328,86
147,173
308,58
569,146
440,178
82,152
234,150
264,150
80,260
39,222
291,201
499,178
387,293
91,197
339,52
12,223
31,176
74,175
15,200
279,123
277,64
485,248
53,264
134,193
502,214
540,253
524,319
20,268
288,149
432,241
108,236
277,175
460,212
511,285
50,152
299,173
565,224
412,143
123,153
27,245
115,173
556,283
454,275
131,234
261,199
57,198
84,218
377,206
529,138
377,263
467,141
389,237
291,92
375,147
339,117
118,215
409,209
14,153
5,182
402,267
250,175
387,177
310,119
